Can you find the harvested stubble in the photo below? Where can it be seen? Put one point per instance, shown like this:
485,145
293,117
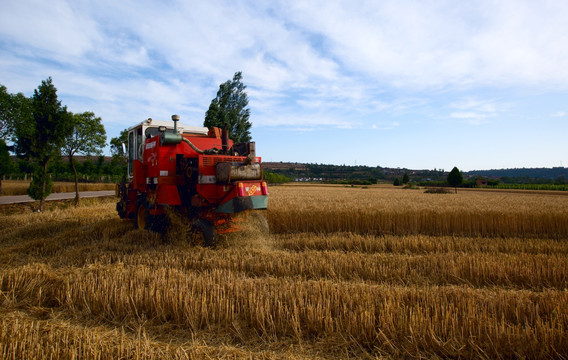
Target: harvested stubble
26,337
450,321
403,212
79,283
520,271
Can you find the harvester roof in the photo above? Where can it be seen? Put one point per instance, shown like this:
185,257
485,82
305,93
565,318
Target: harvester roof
183,129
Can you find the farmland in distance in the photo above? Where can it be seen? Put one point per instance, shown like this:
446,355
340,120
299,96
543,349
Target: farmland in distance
375,272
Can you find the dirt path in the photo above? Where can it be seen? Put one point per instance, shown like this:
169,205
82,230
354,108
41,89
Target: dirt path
15,199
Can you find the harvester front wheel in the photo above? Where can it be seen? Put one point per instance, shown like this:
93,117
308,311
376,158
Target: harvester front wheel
141,217
146,221
206,231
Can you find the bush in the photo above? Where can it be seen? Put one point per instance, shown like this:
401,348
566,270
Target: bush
437,190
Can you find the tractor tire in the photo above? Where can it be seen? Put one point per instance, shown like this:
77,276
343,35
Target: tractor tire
146,221
158,223
206,231
142,218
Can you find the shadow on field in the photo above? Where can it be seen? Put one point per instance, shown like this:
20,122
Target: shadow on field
68,236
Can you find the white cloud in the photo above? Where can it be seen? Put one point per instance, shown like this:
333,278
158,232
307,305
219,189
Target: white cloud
411,43
55,28
385,125
477,111
472,118
308,64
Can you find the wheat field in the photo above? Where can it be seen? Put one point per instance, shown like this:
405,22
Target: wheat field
344,273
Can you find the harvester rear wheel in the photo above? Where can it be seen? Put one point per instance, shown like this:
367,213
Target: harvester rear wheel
207,232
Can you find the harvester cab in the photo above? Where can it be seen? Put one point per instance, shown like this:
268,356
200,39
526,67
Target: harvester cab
195,172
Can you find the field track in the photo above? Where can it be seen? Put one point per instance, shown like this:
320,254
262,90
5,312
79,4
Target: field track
17,199
345,273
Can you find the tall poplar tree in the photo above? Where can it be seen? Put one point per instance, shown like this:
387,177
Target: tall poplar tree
43,136
229,109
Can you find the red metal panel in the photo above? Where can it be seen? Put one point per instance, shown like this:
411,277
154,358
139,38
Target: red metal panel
151,156
139,176
168,195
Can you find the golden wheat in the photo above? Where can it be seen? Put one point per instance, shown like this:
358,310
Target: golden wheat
402,212
81,283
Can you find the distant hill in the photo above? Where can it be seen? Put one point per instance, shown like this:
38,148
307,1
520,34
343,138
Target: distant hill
529,173
327,172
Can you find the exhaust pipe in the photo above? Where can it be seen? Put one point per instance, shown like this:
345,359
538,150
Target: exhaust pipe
225,139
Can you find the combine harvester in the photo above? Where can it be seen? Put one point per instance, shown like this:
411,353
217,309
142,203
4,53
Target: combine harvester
196,172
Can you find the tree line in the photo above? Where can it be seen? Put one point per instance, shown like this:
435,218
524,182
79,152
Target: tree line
41,130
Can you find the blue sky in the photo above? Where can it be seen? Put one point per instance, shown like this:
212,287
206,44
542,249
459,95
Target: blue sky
395,83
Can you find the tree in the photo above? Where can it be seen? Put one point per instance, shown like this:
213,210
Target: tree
396,182
14,108
229,110
5,113
116,148
41,136
5,162
87,137
455,178
11,107
118,154
405,179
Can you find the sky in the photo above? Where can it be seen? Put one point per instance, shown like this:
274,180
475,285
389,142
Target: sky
394,83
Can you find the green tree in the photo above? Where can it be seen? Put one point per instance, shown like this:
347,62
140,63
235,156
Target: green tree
41,137
116,148
88,137
405,179
455,178
9,110
229,109
6,117
5,162
273,178
14,109
396,182
119,159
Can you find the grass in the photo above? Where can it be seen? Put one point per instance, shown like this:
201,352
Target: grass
81,283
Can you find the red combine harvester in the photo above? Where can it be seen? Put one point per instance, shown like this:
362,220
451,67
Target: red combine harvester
194,171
